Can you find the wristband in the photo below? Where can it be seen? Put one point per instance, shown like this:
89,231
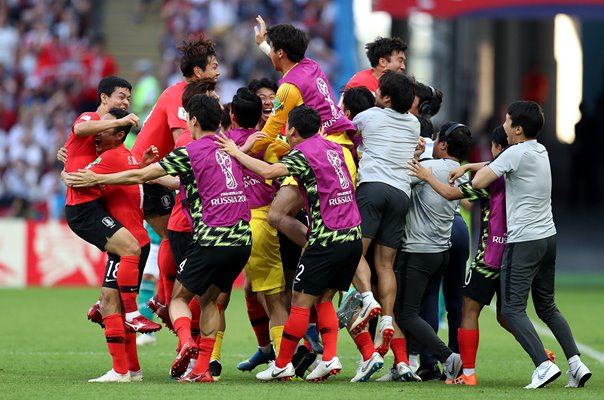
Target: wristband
265,47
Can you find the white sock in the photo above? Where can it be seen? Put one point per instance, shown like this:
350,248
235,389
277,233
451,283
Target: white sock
573,362
131,315
265,349
414,362
386,319
367,298
469,371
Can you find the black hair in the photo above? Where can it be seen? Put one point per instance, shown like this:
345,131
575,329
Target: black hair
305,119
109,84
257,84
383,48
499,137
400,88
426,129
358,99
197,87
430,99
225,119
207,111
118,113
528,115
247,108
458,138
288,38
196,52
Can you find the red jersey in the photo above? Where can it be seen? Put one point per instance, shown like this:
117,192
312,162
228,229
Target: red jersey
123,202
80,153
178,221
363,78
167,114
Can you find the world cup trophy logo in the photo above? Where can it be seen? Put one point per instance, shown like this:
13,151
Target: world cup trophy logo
336,163
324,90
226,165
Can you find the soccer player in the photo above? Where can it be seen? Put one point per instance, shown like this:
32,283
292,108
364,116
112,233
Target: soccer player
264,268
389,138
425,250
333,247
84,209
530,252
222,235
266,89
124,204
384,54
482,281
166,121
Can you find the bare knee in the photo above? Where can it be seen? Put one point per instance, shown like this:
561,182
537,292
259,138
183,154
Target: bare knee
275,217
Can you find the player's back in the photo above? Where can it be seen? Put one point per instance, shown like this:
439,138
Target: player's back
167,114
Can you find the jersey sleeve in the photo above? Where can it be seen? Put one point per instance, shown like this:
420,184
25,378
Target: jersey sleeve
288,96
295,162
175,113
177,162
506,162
468,192
85,117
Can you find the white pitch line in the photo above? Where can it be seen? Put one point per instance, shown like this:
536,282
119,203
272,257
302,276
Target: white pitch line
583,348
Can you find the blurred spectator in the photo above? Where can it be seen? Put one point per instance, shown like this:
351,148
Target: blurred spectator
43,62
146,89
231,24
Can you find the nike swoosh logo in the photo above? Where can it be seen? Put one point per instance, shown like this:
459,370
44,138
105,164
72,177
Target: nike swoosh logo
364,369
277,374
542,375
329,365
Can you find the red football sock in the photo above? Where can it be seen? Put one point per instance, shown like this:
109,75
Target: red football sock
131,352
167,266
365,345
294,329
115,336
468,346
258,319
399,348
195,313
127,280
327,323
182,327
206,345
160,290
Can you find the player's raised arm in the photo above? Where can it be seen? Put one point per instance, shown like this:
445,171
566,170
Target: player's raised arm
266,170
90,128
86,178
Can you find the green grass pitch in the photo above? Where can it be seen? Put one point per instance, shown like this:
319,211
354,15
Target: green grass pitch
48,350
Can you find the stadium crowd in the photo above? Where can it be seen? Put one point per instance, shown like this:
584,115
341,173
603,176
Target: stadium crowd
51,61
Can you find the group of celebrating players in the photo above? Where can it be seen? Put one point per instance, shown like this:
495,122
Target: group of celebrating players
307,196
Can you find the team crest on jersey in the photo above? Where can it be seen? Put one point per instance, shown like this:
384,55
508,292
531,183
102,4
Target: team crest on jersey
95,162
